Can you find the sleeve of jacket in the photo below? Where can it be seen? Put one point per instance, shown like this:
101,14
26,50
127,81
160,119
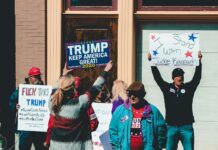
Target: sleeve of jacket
48,134
158,78
113,130
96,87
161,130
13,100
197,76
92,118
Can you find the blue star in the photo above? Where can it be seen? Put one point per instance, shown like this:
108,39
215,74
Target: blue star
155,52
192,37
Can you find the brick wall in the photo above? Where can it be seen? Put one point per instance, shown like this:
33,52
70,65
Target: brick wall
30,20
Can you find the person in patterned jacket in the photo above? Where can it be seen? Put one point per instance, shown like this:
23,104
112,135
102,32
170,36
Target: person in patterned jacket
137,124
70,129
93,120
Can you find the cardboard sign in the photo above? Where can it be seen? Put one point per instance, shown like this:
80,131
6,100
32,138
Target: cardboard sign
33,114
87,54
174,49
100,137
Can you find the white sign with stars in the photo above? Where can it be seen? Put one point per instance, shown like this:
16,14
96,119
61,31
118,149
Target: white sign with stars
174,49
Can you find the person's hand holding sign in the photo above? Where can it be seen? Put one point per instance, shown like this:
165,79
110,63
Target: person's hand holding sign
108,66
149,56
65,70
200,55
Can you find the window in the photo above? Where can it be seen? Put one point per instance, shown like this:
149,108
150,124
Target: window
91,2
91,5
177,5
179,2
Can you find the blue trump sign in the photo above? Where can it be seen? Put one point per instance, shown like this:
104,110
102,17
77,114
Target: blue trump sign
87,54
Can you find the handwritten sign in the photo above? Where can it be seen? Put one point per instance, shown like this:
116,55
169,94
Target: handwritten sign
174,49
87,54
100,137
33,113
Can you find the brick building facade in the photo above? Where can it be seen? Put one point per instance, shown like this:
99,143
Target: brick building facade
30,37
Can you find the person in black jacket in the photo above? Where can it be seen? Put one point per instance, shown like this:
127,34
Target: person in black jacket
178,98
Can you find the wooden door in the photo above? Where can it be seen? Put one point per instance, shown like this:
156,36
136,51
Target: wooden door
89,29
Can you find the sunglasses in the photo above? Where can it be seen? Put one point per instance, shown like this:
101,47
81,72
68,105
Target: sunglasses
132,95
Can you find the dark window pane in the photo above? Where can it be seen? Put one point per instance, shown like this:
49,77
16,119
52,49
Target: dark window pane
91,2
179,2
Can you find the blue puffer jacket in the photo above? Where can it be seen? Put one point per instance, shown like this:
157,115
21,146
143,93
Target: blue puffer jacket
153,128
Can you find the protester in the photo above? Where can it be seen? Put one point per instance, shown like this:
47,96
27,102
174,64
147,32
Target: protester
137,124
103,96
93,120
70,129
27,138
119,94
178,97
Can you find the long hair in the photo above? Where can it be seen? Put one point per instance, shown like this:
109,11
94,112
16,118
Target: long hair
39,82
119,90
65,86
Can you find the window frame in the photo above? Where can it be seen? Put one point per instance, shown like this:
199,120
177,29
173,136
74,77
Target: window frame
141,7
69,7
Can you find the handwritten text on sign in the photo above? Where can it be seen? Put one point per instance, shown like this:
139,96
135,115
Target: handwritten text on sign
88,54
103,113
176,49
33,114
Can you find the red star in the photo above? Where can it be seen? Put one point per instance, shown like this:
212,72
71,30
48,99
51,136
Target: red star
152,37
188,54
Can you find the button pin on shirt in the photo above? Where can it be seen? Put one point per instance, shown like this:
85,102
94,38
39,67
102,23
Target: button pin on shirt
124,118
172,90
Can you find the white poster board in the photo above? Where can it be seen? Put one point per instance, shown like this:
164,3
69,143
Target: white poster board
174,49
33,114
100,137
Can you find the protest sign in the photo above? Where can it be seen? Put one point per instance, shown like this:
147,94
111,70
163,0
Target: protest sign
174,49
87,54
100,137
33,114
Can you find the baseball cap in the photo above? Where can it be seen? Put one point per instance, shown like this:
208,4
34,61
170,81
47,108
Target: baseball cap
177,72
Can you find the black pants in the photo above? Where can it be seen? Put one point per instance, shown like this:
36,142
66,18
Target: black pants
27,138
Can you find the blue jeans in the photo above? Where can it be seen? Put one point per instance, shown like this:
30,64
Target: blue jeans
185,133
